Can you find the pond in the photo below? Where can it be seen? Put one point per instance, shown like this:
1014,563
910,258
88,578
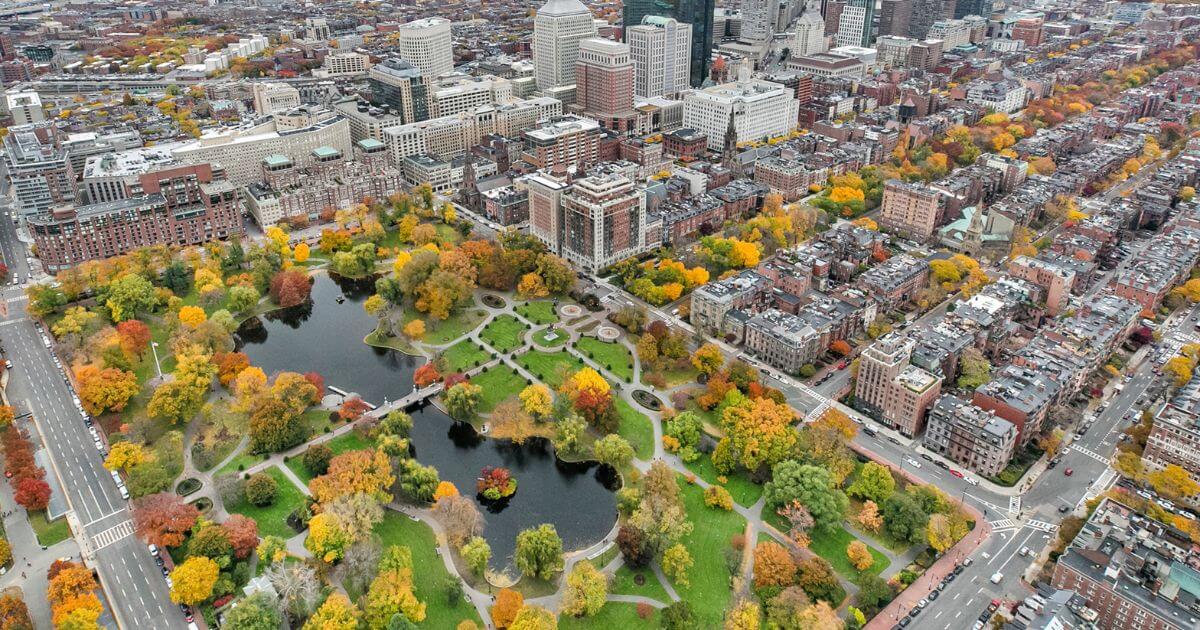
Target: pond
576,497
326,336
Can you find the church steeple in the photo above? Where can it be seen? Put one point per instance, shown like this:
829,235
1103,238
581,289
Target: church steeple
729,157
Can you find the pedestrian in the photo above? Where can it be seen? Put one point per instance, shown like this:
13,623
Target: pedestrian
22,575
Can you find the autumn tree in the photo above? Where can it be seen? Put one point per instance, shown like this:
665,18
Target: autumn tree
676,562
14,615
164,519
1173,482
462,400
290,287
536,400
707,359
392,590
327,538
587,589
193,581
32,494
874,483
476,552
508,604
744,615
773,566
337,613
108,389
869,516
242,533
811,486
859,555
759,432
362,471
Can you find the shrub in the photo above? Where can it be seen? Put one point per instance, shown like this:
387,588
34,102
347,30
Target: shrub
261,489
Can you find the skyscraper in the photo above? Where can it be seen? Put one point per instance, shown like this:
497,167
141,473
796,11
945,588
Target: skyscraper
557,30
400,87
604,83
758,20
925,13
810,31
963,8
697,13
661,51
427,44
894,16
854,27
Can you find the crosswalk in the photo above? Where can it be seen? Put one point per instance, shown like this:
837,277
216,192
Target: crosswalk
1014,505
112,535
1002,524
1094,455
1042,525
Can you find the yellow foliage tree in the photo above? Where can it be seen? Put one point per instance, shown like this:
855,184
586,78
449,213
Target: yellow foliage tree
415,329
301,252
124,455
192,316
536,400
859,555
845,194
193,581
444,489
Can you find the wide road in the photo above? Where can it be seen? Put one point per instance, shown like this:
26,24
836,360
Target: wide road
132,581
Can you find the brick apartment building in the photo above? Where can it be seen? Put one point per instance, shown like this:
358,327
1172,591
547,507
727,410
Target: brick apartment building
179,206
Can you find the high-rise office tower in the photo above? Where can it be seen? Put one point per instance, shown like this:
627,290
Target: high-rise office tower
894,16
427,44
399,86
661,51
758,20
854,27
697,13
963,8
925,13
604,83
810,31
557,30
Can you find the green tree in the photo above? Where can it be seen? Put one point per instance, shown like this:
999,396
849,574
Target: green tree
539,552
462,400
903,518
568,432
476,552
256,612
974,369
874,483
129,295
613,450
812,486
679,616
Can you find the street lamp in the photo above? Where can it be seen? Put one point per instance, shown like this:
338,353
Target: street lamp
157,367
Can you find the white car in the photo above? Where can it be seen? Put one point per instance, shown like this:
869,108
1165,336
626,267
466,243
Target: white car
971,480
912,462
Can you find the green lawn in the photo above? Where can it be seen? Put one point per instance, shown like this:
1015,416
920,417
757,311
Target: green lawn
832,547
673,377
49,533
429,572
499,384
442,332
743,490
613,356
540,313
613,615
272,519
636,428
543,337
351,441
504,333
464,355
551,368
245,459
709,592
622,583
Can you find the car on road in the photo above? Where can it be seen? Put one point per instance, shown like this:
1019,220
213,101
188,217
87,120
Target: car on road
1025,552
957,570
8,363
996,577
894,441
927,457
968,562
956,473
971,480
1068,472
933,595
904,621
912,462
1063,509
869,431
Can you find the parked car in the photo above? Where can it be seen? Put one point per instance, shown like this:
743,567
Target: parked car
956,473
912,462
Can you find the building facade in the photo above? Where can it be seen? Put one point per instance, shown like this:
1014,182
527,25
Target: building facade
661,50
966,434
758,110
695,13
427,44
558,28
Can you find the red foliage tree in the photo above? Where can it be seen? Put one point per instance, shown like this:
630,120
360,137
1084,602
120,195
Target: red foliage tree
242,532
163,519
352,409
453,379
134,336
597,409
426,375
317,381
32,494
57,567
290,287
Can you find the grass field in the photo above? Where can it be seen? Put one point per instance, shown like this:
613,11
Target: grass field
613,615
543,337
459,324
429,573
636,428
465,355
540,313
622,583
744,491
49,533
351,441
709,592
832,547
272,519
245,459
552,368
504,333
613,356
499,384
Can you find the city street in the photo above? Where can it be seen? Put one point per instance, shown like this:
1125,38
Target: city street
132,582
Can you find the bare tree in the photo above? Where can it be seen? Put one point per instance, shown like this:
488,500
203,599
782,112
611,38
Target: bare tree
359,513
297,585
360,564
460,517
